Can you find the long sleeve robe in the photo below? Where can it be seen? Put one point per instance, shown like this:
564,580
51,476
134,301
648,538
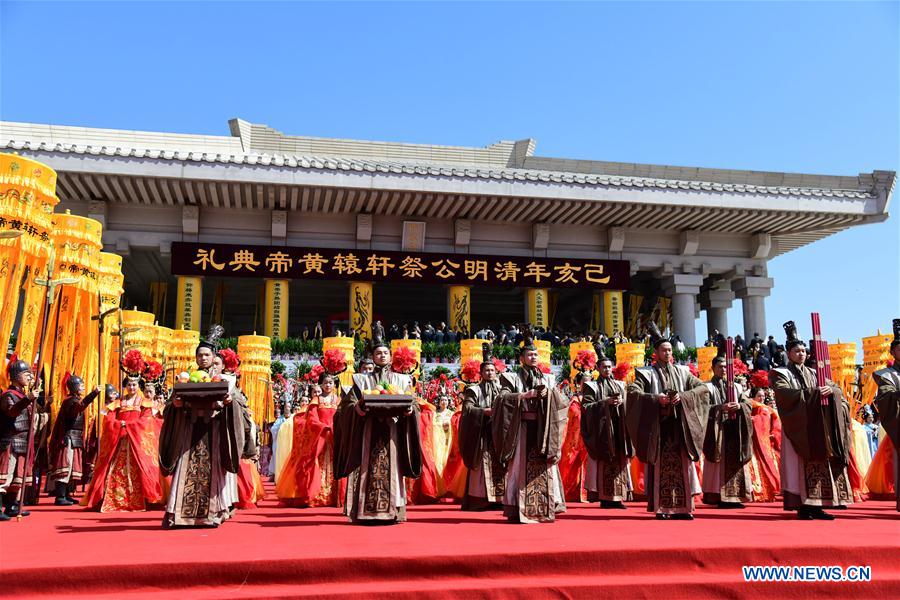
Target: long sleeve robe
202,450
609,447
668,439
375,452
728,448
527,437
888,402
815,443
486,478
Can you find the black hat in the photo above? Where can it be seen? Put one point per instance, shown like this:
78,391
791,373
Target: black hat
527,341
487,355
72,383
378,342
212,339
896,340
792,340
656,336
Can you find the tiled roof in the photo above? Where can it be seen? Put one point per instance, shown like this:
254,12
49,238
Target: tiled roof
428,169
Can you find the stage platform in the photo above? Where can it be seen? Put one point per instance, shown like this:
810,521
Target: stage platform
276,552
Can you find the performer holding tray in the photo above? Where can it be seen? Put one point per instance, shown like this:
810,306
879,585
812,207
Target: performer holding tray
376,439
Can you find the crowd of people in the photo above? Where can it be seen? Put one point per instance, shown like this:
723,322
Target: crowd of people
492,438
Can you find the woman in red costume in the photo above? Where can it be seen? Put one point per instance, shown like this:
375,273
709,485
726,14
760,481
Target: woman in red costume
126,476
307,479
764,466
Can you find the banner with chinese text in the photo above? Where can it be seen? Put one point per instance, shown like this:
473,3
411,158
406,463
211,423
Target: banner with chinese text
285,262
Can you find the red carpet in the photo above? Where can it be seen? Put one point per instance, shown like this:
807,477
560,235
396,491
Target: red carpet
441,552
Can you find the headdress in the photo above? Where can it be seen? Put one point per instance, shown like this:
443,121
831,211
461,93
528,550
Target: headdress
212,339
230,360
133,364
334,361
790,329
656,336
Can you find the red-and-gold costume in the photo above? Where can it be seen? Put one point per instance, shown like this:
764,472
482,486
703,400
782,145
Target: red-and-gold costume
573,454
126,476
764,466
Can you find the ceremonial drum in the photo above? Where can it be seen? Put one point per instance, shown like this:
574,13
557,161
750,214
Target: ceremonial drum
256,369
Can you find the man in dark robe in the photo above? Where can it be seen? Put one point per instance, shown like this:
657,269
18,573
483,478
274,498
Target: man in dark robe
603,406
815,447
201,448
666,416
888,402
529,421
486,479
374,448
729,443
67,441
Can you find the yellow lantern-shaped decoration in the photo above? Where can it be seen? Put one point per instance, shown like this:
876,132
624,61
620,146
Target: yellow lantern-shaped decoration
705,355
633,354
142,334
345,345
110,288
255,352
182,348
471,350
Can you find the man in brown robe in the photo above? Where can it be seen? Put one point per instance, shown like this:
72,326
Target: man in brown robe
486,478
729,443
607,473
529,420
888,402
666,416
376,449
201,449
815,443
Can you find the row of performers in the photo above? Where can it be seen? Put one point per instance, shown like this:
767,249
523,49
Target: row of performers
197,465
514,447
520,445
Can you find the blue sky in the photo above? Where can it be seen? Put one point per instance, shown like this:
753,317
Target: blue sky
771,86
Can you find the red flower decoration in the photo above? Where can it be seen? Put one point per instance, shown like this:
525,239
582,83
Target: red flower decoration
334,361
404,360
230,360
152,371
133,363
544,367
694,369
759,379
585,360
740,368
471,371
315,373
621,370
499,365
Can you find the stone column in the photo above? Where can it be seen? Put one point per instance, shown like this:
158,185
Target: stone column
716,301
683,288
752,292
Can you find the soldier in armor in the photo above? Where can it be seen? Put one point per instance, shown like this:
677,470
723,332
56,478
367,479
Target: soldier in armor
16,409
67,442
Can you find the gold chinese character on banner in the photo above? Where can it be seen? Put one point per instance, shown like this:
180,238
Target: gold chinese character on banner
208,257
412,267
594,272
444,271
244,259
538,271
312,263
346,264
508,271
379,264
279,262
566,273
475,269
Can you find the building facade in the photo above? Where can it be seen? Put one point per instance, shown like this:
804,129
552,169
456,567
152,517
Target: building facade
698,238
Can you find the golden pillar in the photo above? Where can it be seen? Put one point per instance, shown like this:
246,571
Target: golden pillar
277,301
361,308
190,303
537,311
459,308
613,312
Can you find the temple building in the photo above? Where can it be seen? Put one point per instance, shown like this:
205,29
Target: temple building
273,232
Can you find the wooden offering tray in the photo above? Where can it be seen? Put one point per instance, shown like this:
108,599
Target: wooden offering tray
201,395
389,402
